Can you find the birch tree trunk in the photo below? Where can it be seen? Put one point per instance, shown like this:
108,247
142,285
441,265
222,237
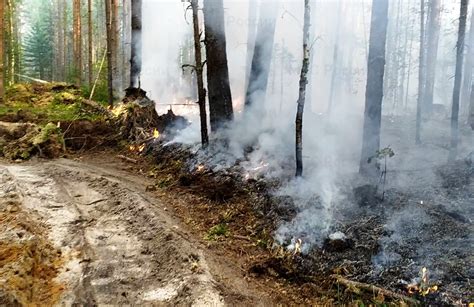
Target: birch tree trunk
421,74
302,90
199,74
374,88
135,57
457,81
262,54
220,98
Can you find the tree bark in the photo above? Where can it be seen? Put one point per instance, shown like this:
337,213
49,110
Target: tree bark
302,90
135,57
220,98
77,39
335,57
108,27
2,22
90,67
199,74
251,36
374,87
457,80
468,66
114,43
434,25
421,74
262,55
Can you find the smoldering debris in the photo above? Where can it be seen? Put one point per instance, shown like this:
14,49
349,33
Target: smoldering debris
386,244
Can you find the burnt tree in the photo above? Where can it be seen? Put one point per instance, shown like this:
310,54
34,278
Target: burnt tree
457,80
199,74
262,54
219,94
432,37
421,74
302,90
136,48
374,87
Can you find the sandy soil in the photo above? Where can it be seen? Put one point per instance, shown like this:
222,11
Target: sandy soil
87,233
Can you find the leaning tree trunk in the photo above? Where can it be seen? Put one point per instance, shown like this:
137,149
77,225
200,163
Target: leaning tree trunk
434,25
2,22
262,55
421,74
302,91
374,87
220,98
457,81
110,80
135,57
77,41
199,74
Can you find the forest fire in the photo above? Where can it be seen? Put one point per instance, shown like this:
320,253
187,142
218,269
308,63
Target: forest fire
423,287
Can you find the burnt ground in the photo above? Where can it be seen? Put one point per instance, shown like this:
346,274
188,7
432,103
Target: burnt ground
423,221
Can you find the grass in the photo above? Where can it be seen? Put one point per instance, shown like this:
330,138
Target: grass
217,231
45,105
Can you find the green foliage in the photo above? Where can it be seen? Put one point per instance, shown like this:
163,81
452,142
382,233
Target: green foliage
38,42
382,154
219,230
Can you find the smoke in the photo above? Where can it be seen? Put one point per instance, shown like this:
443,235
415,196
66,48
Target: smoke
261,139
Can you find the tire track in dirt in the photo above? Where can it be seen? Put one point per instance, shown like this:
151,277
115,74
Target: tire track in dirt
117,248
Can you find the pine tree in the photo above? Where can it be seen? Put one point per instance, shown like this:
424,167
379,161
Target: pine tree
38,44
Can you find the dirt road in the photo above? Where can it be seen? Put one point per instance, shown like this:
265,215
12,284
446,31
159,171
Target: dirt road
78,233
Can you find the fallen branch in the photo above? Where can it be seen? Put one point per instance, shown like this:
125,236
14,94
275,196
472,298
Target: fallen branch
127,159
355,286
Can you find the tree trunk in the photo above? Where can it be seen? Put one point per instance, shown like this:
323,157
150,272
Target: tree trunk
302,90
199,74
114,43
110,82
335,58
135,57
60,29
421,74
2,22
374,88
457,81
220,98
262,55
434,25
468,65
251,36
90,67
77,38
